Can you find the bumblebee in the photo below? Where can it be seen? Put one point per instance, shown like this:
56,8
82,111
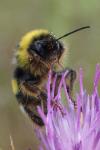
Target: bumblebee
37,53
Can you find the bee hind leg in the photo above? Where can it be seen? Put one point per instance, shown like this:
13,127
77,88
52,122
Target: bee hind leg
32,110
30,104
35,118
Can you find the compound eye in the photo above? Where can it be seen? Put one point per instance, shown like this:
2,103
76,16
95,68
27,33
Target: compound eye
39,48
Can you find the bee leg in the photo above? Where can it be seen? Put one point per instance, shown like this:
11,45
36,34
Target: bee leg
69,79
39,94
31,108
30,102
43,98
35,117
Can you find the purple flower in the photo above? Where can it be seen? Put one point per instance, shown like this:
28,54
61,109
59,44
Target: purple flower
67,128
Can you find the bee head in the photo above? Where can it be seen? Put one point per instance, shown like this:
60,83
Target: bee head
40,45
47,48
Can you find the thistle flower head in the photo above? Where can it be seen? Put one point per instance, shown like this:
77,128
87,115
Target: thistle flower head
67,128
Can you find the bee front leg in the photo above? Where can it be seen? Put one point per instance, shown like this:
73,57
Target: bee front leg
69,79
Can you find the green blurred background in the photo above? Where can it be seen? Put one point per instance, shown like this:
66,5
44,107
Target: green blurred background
59,16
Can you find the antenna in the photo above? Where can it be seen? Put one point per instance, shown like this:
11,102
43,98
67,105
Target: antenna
67,34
